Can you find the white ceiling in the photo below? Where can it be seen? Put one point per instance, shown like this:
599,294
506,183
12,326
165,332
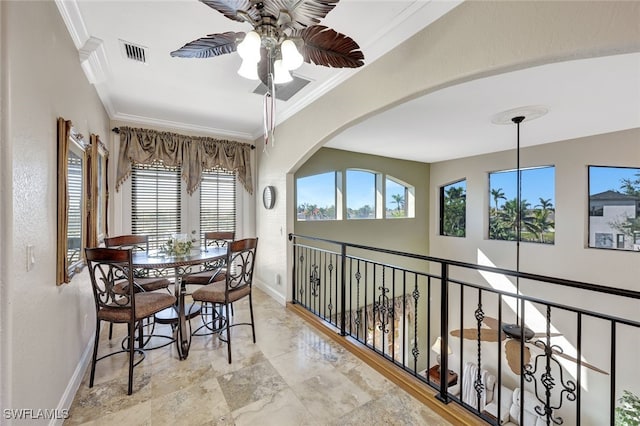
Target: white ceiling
206,95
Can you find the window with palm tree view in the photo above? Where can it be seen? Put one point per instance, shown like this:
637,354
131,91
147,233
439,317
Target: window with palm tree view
362,197
316,197
361,194
398,198
614,208
537,205
453,209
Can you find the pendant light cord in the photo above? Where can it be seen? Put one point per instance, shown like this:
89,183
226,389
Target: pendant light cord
519,119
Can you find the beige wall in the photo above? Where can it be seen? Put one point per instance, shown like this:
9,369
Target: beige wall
474,40
569,258
45,329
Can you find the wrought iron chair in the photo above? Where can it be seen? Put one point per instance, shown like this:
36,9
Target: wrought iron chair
237,284
141,278
211,239
212,321
109,269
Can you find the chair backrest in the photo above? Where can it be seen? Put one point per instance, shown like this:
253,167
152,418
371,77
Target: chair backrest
241,258
218,239
134,242
110,278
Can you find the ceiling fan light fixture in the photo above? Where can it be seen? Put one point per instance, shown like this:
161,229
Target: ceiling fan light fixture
249,48
281,74
249,69
291,58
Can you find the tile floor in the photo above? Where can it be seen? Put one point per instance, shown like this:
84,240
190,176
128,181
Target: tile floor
293,375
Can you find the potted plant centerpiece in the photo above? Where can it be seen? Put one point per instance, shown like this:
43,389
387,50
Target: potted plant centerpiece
178,245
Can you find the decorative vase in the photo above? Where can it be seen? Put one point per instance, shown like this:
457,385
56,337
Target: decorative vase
178,245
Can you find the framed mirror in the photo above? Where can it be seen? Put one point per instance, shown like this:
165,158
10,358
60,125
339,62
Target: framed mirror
72,205
97,192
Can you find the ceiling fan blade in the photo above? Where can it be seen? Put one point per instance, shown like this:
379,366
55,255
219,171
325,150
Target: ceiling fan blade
209,46
230,9
324,46
542,335
512,352
540,345
304,13
486,335
492,323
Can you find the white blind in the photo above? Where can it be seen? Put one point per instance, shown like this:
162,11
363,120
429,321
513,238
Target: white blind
217,202
155,202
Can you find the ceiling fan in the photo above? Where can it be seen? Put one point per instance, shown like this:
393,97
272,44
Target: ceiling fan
280,29
514,334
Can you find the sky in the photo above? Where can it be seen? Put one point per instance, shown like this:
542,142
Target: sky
605,178
536,183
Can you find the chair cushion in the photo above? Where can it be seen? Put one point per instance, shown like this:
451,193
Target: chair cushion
214,293
146,284
204,277
152,284
147,304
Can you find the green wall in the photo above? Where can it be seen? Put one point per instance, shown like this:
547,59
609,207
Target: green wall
407,234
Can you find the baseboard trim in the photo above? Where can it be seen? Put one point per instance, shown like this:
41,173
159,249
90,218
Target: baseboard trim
450,412
270,291
74,384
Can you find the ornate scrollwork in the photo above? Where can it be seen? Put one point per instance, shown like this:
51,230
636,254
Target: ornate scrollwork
314,280
384,308
544,363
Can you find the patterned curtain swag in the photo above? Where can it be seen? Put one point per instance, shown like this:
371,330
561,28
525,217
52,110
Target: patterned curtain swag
193,153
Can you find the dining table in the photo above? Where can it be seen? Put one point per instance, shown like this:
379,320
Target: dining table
163,265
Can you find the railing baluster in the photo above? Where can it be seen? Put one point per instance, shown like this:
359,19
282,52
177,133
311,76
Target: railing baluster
314,268
444,333
343,280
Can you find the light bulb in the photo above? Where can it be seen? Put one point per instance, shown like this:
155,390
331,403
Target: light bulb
291,58
248,69
281,74
249,48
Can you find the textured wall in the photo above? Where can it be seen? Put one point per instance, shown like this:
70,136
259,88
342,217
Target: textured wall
46,328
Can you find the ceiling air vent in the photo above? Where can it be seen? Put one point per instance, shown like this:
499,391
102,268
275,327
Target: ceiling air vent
284,91
134,52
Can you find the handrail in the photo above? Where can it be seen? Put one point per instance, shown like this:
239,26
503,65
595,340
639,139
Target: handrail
358,277
525,275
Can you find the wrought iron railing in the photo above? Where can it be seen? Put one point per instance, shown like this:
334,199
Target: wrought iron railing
571,348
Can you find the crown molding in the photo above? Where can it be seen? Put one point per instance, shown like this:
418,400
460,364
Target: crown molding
72,18
137,119
413,19
93,60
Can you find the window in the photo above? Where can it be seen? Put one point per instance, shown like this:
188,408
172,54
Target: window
399,199
160,205
155,202
217,202
361,194
453,209
614,207
537,200
316,197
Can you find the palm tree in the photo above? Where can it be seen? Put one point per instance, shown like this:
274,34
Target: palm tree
399,200
497,194
545,204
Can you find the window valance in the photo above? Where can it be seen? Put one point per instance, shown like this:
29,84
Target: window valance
193,153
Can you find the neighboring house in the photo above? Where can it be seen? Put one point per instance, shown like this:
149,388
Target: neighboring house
608,209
